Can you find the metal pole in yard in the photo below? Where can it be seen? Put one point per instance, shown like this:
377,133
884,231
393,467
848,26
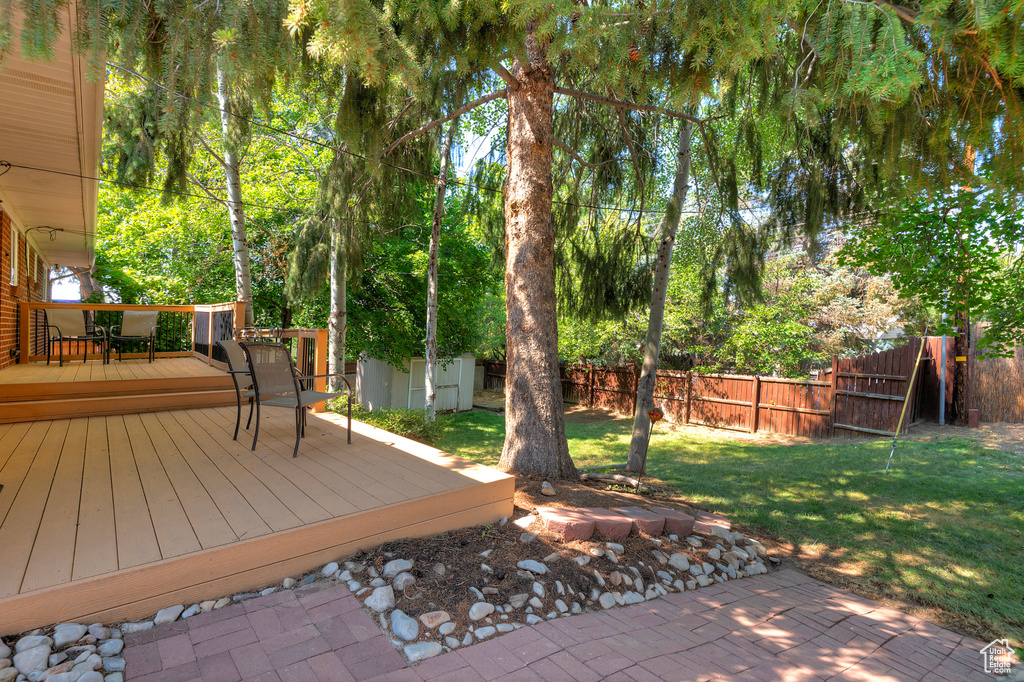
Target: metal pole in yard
906,401
942,377
654,414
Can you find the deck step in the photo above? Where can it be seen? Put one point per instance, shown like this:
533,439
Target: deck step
66,408
82,390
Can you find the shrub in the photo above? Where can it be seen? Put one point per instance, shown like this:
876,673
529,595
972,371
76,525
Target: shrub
410,424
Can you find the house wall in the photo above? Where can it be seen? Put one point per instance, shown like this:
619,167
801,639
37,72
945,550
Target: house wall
28,288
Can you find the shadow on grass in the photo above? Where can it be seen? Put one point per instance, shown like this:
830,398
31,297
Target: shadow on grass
944,530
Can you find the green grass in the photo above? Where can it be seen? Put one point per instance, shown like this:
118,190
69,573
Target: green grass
944,530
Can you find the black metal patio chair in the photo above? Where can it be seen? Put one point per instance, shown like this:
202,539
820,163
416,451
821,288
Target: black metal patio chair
238,368
136,325
276,383
67,324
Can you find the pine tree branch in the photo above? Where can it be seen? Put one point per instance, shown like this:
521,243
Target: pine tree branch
633,159
312,166
631,105
441,121
576,157
499,69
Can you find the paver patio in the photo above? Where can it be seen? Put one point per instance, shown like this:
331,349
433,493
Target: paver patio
781,626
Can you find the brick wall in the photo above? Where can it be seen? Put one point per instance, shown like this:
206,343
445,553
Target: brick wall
28,288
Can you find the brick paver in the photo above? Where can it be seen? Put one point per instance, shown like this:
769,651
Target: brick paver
780,626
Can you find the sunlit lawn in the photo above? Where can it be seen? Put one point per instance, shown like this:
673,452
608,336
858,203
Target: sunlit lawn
944,530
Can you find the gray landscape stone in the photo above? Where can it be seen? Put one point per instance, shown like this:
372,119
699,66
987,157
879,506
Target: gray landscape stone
396,566
679,561
110,647
168,615
31,642
129,628
607,600
480,610
446,628
421,651
485,632
32,660
404,580
68,633
404,627
114,664
382,599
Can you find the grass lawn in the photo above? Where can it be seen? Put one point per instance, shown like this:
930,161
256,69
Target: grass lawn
943,532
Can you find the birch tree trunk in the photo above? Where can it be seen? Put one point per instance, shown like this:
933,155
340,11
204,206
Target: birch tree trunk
430,381
337,323
652,348
236,211
534,422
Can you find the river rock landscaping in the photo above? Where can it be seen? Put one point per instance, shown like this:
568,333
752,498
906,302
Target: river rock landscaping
431,595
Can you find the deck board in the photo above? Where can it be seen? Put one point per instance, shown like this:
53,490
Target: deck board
110,517
18,532
96,541
134,532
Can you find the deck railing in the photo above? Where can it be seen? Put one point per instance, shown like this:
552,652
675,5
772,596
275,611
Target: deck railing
173,335
182,331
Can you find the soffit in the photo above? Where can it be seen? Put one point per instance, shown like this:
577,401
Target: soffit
50,131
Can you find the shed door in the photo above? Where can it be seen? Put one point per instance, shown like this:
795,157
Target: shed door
447,384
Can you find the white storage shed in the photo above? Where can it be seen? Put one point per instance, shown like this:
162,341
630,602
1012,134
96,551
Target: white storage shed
380,385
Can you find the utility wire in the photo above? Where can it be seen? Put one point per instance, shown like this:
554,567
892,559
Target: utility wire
324,145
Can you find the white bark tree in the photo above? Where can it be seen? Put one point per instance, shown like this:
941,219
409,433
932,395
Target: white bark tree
236,209
430,382
652,347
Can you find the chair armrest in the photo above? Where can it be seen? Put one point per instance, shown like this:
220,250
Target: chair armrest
237,371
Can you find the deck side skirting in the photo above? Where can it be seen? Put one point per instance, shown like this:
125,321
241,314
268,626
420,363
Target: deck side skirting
142,590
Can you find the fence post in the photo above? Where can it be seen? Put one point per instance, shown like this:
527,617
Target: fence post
209,340
833,387
689,391
591,403
754,404
320,366
238,315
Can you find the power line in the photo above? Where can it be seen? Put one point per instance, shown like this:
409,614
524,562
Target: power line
323,145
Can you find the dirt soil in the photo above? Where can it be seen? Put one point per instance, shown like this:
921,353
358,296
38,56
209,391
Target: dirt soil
460,552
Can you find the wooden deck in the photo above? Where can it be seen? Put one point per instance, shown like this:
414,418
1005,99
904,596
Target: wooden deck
112,517
116,370
37,391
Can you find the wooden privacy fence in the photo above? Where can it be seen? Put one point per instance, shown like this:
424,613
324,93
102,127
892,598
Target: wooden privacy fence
863,395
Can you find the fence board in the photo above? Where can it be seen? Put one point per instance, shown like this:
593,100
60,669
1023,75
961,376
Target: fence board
864,395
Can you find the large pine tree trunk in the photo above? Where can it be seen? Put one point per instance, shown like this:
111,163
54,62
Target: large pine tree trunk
337,322
534,424
236,211
430,381
652,348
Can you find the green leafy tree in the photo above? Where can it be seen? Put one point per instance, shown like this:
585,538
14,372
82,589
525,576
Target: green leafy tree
959,253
